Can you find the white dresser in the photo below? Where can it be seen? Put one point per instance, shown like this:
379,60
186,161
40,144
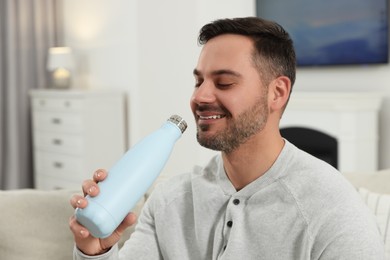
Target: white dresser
75,132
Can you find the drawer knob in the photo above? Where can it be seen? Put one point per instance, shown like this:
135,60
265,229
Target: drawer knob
56,121
57,141
58,165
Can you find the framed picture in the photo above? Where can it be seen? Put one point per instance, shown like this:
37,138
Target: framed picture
333,32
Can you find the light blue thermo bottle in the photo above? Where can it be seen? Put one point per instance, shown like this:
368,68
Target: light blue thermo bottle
129,179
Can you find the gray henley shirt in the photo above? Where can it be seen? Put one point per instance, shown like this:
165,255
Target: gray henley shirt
301,208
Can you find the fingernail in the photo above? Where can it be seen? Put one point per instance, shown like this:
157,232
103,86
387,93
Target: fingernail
78,202
97,174
82,232
91,189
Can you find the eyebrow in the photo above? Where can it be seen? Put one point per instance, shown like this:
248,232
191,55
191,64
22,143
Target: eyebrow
219,72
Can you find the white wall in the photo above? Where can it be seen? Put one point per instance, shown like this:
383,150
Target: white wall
103,36
149,49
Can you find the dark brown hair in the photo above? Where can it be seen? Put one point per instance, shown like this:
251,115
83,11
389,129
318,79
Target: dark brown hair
274,53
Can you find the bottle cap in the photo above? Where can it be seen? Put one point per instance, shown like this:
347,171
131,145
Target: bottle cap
179,121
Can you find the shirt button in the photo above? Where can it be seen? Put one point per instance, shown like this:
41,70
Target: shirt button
229,223
236,201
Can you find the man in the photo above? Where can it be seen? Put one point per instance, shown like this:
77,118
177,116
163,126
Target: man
261,198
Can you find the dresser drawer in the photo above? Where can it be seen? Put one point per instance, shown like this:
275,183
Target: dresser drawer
57,104
58,122
59,143
60,166
74,132
54,183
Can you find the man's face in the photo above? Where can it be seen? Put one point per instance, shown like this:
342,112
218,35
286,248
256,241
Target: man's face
229,100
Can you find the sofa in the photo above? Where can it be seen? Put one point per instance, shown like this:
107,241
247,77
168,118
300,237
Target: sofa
34,223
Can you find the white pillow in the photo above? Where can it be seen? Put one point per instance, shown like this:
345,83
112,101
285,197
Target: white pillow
380,206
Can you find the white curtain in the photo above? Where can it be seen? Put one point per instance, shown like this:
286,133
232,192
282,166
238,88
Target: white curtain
27,29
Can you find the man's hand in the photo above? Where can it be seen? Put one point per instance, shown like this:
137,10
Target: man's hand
88,244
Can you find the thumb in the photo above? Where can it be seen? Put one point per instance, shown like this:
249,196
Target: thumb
128,221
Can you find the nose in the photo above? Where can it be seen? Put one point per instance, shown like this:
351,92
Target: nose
205,93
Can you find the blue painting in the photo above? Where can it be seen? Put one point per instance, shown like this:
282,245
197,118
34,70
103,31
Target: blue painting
333,32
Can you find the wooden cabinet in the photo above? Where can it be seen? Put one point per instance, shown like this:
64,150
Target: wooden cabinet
74,133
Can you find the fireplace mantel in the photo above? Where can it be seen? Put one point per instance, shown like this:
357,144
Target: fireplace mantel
351,118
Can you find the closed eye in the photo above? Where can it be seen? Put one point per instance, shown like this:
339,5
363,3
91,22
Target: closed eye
224,85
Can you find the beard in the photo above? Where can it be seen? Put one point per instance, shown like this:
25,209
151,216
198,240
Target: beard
238,131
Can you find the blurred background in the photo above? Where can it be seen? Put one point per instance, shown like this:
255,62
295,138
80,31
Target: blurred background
145,50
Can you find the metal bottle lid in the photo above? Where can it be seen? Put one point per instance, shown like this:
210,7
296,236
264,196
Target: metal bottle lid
179,121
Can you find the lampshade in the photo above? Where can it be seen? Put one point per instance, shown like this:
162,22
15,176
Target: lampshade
60,57
60,64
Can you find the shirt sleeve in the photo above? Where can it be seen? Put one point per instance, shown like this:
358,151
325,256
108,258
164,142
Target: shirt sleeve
355,237
112,254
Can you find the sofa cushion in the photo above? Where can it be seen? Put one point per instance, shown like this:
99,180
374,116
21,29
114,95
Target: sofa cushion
34,225
377,181
380,206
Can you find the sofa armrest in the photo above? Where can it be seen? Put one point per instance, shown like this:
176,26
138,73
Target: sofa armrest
34,224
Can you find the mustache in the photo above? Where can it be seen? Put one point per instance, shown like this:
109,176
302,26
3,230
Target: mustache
211,108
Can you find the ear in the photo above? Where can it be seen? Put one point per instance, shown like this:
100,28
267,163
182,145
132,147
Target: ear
279,91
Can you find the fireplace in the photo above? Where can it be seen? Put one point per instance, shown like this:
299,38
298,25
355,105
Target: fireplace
316,143
340,128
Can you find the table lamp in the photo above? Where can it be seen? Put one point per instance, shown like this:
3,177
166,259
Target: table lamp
60,64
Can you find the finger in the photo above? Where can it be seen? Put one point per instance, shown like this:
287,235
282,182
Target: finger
78,201
99,175
77,229
90,188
